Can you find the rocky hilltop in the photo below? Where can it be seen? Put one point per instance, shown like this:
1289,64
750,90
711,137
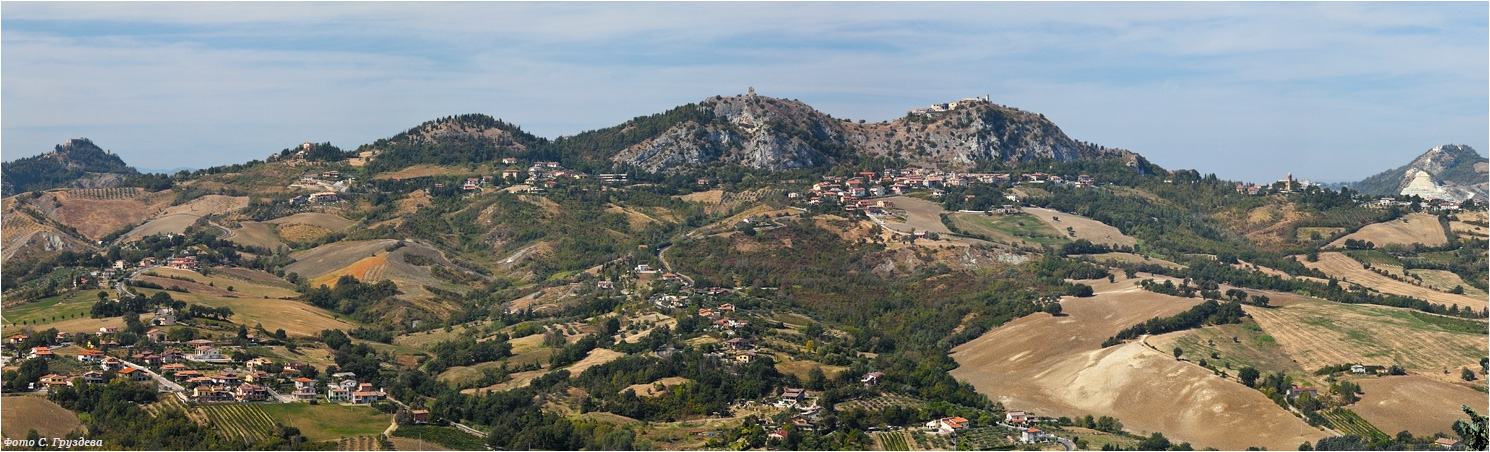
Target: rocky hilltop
75,163
775,134
1452,171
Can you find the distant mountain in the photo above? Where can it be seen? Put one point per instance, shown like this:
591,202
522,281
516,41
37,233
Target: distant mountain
1451,171
76,163
777,134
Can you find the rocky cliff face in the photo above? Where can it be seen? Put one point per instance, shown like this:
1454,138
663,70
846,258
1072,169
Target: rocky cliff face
1452,172
75,163
775,134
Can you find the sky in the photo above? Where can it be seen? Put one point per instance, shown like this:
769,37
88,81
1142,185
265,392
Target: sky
1248,91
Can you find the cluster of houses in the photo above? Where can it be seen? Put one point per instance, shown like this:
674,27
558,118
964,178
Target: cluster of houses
936,109
718,318
849,191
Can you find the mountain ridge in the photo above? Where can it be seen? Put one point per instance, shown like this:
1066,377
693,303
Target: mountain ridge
1451,171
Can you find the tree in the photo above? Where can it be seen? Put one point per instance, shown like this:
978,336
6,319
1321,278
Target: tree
1248,376
1053,309
1474,431
1178,352
1466,374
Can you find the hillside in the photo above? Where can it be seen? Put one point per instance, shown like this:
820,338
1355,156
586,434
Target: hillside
75,163
1452,171
472,138
768,133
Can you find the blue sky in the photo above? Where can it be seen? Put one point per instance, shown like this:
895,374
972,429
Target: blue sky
1249,91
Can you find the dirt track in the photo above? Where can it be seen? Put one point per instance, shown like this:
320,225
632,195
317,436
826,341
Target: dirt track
1055,367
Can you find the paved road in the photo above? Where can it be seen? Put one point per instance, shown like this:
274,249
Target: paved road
120,286
1066,443
470,430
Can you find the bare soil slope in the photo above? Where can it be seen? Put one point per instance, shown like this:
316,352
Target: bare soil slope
1420,405
1056,367
331,257
19,414
1413,228
325,220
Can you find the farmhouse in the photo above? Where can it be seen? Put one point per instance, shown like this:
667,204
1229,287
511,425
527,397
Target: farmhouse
419,416
183,263
1020,417
1031,435
948,425
41,352
1294,393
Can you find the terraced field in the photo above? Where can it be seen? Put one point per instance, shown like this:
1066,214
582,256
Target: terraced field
240,420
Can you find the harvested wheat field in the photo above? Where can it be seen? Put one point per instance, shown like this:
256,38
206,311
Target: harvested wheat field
173,224
1413,228
1419,405
23,413
367,269
1466,230
253,233
209,205
1055,366
1318,333
74,325
920,215
1350,270
595,358
324,220
649,389
332,257
296,317
1085,228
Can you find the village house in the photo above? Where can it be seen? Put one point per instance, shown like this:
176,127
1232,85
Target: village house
1020,418
337,394
251,393
134,374
1031,435
90,356
147,261
108,330
41,352
305,389
54,380
324,197
738,343
228,379
793,396
1450,444
183,263
365,394
182,376
93,377
419,416
207,353
605,285
208,393
947,425
156,335
171,368
871,379
256,363
744,357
